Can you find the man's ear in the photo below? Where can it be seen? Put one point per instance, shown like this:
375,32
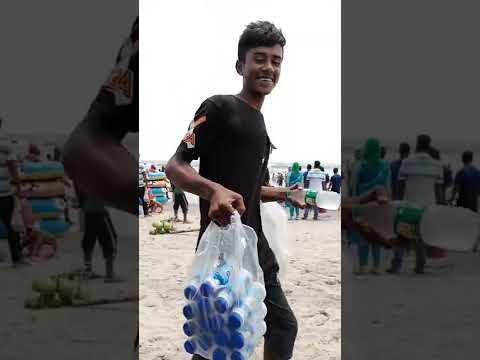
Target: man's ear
239,68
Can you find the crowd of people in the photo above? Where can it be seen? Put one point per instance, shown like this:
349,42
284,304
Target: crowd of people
315,179
420,179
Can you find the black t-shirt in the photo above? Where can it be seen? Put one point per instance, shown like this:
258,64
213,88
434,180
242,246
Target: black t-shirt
230,138
116,105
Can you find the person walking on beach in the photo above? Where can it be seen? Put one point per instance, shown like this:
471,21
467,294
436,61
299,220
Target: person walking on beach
420,182
97,226
335,181
9,175
372,172
295,177
233,165
316,179
179,201
142,186
467,184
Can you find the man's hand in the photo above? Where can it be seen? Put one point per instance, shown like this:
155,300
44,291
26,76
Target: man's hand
223,203
297,197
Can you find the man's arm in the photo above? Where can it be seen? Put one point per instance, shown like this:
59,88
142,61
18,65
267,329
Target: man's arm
102,167
293,194
223,202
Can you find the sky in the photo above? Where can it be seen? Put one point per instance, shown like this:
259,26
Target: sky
187,56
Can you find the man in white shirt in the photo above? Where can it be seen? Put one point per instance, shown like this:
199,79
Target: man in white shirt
420,182
316,179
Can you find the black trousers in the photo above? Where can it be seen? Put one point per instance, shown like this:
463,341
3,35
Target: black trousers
141,195
7,204
180,200
99,226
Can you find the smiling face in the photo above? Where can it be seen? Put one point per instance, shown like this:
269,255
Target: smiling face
261,69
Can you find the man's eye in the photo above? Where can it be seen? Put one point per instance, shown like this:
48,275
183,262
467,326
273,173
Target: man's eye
259,59
277,63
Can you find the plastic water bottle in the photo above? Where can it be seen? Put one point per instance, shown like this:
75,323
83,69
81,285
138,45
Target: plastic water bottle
216,323
240,313
219,354
219,278
221,338
188,312
189,328
328,200
205,308
224,301
257,291
192,288
190,346
243,354
250,334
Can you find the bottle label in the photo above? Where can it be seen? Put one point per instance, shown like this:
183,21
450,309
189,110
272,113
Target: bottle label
407,222
311,198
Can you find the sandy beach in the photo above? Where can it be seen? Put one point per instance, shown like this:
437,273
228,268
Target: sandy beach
93,332
312,286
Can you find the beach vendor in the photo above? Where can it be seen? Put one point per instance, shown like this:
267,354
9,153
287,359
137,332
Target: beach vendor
229,136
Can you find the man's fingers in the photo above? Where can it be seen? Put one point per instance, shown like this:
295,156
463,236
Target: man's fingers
239,204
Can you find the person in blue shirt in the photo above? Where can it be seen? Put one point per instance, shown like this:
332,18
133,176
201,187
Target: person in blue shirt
335,181
306,182
467,182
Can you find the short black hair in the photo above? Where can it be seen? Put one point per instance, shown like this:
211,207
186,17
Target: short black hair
467,157
423,142
335,170
383,151
309,167
259,33
404,148
316,164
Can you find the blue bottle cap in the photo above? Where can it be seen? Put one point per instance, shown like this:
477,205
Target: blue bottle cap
235,320
189,328
221,338
219,354
190,346
190,292
221,305
237,340
206,289
237,355
188,312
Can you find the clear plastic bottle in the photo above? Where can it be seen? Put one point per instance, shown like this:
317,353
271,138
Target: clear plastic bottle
225,300
328,200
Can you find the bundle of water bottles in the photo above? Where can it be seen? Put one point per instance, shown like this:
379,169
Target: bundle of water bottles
225,292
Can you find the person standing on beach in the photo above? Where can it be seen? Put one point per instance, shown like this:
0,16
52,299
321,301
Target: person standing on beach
420,183
96,142
233,165
467,184
404,152
142,186
294,178
8,176
306,183
316,179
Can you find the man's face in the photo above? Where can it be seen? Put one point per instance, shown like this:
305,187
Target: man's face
261,69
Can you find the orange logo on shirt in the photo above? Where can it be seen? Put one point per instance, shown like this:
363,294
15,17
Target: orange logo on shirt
121,81
189,139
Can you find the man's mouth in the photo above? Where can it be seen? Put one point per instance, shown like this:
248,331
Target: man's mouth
265,78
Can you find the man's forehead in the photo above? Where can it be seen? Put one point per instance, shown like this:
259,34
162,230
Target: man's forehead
275,50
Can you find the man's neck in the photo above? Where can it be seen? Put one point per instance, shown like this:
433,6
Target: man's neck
255,101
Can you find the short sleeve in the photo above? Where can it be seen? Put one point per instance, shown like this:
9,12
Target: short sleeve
202,132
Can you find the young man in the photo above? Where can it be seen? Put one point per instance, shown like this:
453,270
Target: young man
228,134
306,183
335,181
316,179
404,152
420,183
97,142
467,184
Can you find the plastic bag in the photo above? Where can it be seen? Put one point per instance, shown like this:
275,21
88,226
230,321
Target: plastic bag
274,226
225,293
